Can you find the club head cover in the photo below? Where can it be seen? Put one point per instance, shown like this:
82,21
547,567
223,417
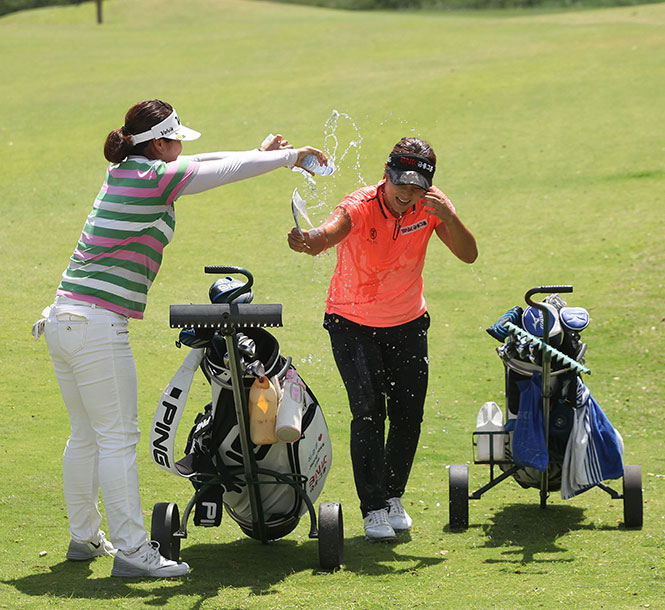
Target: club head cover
574,318
534,323
498,330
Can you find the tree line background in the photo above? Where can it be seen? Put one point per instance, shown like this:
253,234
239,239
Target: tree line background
10,6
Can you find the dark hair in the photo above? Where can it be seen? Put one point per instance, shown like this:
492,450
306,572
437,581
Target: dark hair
414,146
139,118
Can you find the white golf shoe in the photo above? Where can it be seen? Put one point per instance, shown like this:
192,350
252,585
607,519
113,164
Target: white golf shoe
377,526
97,547
147,561
397,516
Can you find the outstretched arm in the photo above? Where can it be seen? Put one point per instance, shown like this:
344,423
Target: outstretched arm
217,169
329,234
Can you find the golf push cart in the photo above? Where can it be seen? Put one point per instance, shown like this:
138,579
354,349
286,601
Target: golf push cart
555,436
264,486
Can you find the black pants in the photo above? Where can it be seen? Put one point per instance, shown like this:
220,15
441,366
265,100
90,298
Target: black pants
384,371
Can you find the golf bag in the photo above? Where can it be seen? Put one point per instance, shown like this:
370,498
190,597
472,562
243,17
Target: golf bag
213,459
581,448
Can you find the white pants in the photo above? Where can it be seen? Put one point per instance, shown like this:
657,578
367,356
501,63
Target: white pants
95,368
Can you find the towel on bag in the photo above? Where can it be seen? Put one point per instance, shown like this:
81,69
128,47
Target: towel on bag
594,450
529,446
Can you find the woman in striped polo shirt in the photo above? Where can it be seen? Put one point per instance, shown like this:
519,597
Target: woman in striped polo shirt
106,282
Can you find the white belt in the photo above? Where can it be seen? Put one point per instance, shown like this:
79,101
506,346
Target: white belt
60,300
67,302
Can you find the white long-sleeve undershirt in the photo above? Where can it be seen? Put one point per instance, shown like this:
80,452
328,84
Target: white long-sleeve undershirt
219,168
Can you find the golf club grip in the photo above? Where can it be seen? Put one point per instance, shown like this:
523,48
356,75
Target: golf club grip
236,315
220,269
545,290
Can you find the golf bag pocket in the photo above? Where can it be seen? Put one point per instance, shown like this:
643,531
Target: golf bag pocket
208,510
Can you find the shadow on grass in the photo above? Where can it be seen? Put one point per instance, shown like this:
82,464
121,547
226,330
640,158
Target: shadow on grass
381,558
69,580
637,175
242,564
527,530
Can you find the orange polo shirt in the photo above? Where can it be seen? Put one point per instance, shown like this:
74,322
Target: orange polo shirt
378,278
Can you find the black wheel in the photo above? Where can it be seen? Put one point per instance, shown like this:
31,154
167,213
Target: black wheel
165,522
458,477
632,496
331,535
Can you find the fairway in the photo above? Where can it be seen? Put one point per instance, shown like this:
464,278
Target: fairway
549,128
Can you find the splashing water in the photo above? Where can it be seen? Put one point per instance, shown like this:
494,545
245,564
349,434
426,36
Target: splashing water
477,275
341,143
331,141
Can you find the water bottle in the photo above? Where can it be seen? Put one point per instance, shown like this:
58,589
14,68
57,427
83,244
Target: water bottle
490,419
269,138
263,404
289,416
311,163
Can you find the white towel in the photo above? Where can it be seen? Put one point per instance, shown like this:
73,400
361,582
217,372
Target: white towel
594,450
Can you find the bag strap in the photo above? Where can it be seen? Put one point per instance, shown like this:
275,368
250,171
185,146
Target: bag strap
169,411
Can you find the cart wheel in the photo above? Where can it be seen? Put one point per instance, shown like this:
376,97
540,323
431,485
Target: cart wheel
165,522
458,477
331,535
632,496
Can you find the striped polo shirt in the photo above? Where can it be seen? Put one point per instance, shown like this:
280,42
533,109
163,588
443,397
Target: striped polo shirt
132,220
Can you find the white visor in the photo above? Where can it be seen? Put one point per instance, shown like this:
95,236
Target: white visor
170,128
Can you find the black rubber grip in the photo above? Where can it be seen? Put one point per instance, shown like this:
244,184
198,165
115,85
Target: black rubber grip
236,315
545,290
221,269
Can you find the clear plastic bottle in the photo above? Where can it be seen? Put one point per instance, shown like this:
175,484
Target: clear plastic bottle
263,404
311,163
289,416
269,138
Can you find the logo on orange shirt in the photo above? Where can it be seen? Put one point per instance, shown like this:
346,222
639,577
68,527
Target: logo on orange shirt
414,227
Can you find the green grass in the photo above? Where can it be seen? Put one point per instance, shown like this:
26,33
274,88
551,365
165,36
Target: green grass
550,138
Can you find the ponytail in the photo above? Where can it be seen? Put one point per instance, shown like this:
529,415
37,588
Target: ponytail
118,145
140,117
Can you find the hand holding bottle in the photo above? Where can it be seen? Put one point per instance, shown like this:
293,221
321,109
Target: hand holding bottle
311,159
314,161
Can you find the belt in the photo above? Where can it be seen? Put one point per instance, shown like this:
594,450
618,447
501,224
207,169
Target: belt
60,300
69,302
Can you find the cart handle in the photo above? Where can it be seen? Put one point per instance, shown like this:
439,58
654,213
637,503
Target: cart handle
225,315
226,269
544,290
541,307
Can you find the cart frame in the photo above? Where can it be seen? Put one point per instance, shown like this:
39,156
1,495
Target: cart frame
167,527
459,495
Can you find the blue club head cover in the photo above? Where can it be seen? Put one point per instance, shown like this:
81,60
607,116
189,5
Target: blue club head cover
574,318
498,331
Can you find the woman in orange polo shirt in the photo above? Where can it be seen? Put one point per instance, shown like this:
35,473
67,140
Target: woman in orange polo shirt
377,319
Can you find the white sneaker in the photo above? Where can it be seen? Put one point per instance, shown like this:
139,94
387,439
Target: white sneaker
397,516
97,547
147,561
377,526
